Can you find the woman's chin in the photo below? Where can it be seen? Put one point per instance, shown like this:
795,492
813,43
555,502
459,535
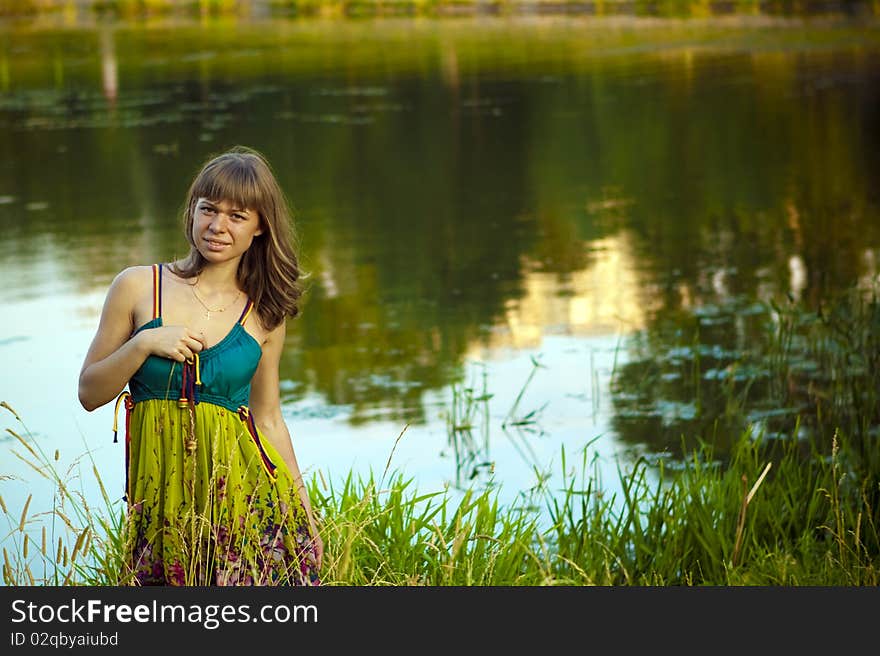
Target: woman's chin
216,255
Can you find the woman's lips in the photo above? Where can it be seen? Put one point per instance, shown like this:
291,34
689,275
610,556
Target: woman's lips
215,245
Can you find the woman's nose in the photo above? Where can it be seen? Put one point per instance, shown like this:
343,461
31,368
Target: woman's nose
218,223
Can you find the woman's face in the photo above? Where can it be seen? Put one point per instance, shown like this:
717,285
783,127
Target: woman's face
222,231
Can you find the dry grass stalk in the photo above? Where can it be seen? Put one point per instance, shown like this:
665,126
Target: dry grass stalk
66,520
78,544
24,510
741,522
23,442
391,455
31,465
4,404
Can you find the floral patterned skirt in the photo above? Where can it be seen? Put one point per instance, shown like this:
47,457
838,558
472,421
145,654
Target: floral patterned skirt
210,501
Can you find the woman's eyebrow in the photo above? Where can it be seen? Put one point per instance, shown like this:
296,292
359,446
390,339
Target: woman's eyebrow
233,209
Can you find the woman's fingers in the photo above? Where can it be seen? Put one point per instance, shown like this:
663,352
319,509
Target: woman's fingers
193,344
180,343
199,338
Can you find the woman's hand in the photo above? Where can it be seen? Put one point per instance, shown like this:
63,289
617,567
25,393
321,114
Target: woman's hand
173,342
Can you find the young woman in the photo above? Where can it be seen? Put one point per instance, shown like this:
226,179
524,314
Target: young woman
215,495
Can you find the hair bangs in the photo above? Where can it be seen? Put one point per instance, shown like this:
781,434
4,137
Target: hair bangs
231,179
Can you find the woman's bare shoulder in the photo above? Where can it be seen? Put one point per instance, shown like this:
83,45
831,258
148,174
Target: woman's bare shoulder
133,278
128,295
130,289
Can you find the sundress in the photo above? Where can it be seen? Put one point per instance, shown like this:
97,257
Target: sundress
210,501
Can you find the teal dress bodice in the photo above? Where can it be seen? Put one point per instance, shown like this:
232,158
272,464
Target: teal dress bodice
224,370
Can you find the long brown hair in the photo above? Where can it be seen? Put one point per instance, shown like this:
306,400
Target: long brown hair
269,270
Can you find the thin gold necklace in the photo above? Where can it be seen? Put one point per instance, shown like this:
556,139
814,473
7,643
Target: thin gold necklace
209,310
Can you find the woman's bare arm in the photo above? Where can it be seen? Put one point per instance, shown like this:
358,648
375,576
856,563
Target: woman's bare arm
114,355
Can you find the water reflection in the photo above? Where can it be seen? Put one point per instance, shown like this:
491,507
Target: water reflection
109,74
621,201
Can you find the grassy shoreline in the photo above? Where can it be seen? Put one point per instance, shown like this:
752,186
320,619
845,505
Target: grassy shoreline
802,509
133,9
763,519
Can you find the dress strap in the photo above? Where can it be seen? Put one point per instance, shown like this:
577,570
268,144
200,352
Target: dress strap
245,313
157,291
245,413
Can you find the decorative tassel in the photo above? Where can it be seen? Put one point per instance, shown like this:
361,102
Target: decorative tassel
189,396
198,382
184,397
124,397
129,404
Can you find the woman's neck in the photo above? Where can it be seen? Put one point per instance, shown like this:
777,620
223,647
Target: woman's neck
219,277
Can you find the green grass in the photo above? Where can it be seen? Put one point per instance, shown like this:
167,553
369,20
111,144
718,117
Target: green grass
78,544
798,510
808,523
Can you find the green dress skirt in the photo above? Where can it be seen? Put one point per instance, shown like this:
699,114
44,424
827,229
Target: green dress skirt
210,501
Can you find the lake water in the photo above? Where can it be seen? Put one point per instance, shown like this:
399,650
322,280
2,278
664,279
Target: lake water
607,198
